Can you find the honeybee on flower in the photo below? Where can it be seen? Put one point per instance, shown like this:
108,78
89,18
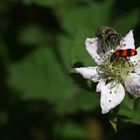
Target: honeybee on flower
108,35
113,78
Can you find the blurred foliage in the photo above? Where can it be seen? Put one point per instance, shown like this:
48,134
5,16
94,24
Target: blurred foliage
40,42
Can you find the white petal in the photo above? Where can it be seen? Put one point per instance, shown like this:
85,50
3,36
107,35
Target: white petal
88,73
136,59
132,84
137,69
92,46
111,95
127,42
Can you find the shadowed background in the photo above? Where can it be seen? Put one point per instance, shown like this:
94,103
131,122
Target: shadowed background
40,42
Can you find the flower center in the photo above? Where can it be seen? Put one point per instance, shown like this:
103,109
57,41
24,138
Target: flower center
117,69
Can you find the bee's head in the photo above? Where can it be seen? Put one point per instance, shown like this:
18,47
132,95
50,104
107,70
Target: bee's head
114,38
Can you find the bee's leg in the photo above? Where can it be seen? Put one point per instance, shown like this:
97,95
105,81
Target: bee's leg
103,48
107,46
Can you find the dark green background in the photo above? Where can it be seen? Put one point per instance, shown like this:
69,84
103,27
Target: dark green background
40,42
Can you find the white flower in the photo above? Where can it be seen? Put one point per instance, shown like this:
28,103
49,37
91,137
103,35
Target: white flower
113,77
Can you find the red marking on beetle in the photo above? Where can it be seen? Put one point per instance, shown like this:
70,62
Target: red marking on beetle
124,53
117,53
133,52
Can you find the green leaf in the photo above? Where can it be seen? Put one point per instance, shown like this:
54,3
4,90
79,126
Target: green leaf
89,17
66,107
32,35
70,130
127,22
136,113
85,101
73,50
114,122
39,76
126,109
129,110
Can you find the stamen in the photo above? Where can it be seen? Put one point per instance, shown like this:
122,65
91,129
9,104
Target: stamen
118,69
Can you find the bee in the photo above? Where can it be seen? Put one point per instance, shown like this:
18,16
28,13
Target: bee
108,36
123,54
